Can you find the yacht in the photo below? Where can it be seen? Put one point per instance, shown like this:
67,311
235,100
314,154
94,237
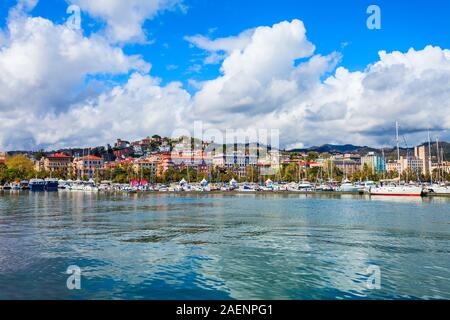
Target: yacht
306,186
439,189
347,186
37,185
398,189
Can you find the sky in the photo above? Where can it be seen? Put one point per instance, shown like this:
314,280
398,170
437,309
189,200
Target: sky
311,69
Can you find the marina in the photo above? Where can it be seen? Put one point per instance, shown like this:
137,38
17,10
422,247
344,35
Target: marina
304,187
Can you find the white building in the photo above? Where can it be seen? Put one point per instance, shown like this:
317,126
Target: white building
235,160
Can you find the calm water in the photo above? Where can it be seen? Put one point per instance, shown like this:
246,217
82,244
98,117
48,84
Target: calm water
222,246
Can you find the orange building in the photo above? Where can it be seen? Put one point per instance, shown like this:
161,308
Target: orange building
88,167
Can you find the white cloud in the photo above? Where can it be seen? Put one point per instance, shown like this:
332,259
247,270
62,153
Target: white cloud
262,86
274,79
125,19
221,47
44,68
131,111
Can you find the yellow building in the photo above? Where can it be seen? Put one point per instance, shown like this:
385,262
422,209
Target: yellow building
88,167
140,166
54,162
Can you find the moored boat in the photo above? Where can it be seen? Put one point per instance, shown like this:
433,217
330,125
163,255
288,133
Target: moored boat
37,185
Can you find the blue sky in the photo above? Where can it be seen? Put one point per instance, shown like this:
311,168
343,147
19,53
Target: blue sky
331,26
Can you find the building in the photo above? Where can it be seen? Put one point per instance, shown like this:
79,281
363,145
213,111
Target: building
142,165
123,152
164,163
422,153
271,163
57,162
236,161
412,164
393,166
374,162
121,144
347,166
88,167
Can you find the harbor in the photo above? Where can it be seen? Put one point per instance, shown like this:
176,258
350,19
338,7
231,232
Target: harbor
435,190
225,245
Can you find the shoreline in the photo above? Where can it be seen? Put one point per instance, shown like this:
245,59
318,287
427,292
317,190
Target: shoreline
312,193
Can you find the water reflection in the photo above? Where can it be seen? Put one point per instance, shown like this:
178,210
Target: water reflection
222,246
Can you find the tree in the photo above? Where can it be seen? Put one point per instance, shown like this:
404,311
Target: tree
39,155
312,156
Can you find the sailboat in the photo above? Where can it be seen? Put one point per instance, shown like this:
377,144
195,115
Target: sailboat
397,190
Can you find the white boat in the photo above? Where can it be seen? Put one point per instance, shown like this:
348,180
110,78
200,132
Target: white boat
305,186
366,186
439,189
398,190
83,186
347,186
246,188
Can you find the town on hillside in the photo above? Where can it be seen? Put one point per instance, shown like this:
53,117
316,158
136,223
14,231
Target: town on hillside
164,160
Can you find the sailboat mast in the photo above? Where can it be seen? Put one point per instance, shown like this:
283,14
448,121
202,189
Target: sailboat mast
438,160
398,152
430,171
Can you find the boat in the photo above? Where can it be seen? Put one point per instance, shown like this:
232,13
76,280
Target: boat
62,184
397,191
84,186
25,185
246,188
37,185
16,186
324,188
7,186
51,184
364,187
439,189
347,186
305,186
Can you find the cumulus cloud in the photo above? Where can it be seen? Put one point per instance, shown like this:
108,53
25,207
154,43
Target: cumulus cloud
270,77
124,19
263,85
45,68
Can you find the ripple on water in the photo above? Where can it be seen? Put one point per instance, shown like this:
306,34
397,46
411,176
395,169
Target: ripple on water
222,246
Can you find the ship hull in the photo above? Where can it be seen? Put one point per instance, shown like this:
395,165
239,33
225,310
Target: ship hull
37,187
397,192
51,185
